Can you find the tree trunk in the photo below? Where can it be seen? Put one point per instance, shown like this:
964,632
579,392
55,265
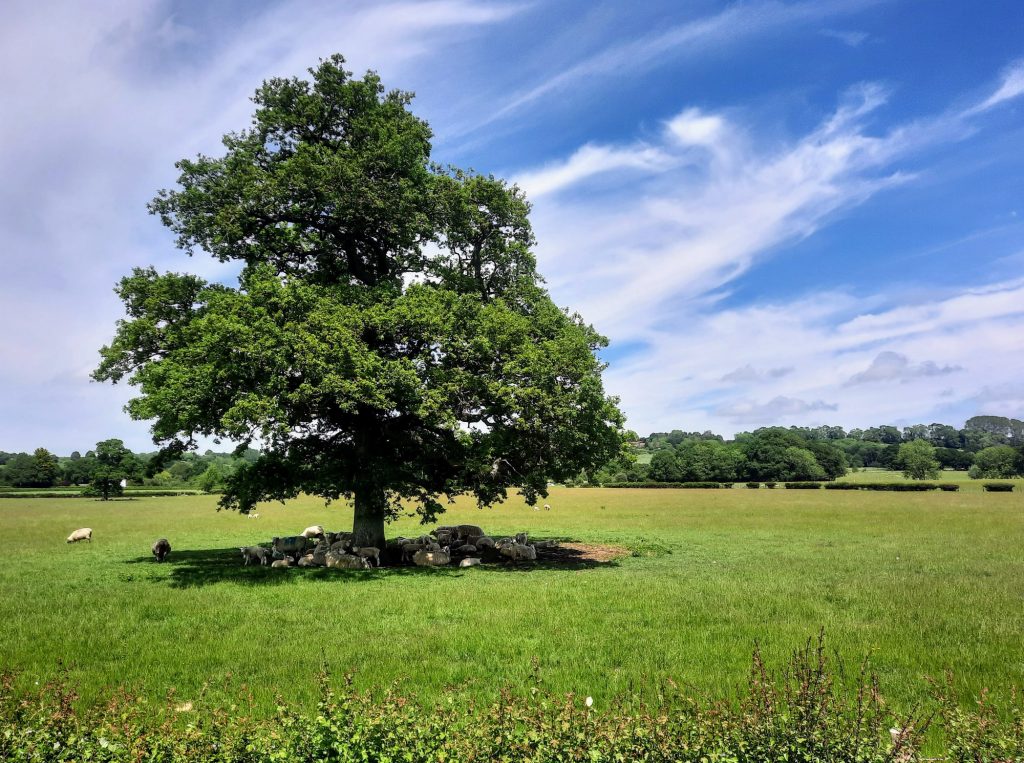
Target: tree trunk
368,518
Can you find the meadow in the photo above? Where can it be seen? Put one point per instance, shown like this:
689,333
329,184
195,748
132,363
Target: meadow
920,583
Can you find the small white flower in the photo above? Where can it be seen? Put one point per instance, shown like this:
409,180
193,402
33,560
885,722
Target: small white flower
590,701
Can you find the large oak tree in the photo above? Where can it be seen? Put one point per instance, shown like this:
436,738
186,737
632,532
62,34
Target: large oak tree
389,338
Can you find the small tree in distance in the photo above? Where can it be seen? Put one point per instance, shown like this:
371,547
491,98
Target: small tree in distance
389,338
917,460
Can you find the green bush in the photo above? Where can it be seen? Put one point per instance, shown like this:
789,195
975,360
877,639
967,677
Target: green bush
802,485
770,485
842,486
802,713
998,487
753,485
949,487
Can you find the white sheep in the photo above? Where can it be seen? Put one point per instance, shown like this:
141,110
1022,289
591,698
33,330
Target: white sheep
424,558
281,563
253,515
307,561
83,533
471,561
347,562
368,552
547,507
313,531
518,552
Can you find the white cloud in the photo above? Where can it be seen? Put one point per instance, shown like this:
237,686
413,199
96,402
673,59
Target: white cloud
776,410
99,101
891,366
1011,86
588,161
750,374
690,359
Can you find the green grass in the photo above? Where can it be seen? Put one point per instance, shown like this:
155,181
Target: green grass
920,582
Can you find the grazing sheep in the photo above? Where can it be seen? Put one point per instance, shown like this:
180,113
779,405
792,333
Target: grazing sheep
293,545
368,552
518,552
84,533
161,549
424,558
313,531
347,562
253,515
256,553
547,507
281,563
307,561
471,561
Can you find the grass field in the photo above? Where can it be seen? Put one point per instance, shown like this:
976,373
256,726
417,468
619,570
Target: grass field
920,582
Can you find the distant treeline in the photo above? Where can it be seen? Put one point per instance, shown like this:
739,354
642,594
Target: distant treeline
986,446
104,467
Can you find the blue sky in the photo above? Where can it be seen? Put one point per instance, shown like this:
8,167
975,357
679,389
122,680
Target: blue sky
778,212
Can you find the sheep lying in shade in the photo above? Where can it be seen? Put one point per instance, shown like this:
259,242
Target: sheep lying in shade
347,562
518,552
282,563
161,549
84,533
313,531
471,561
424,558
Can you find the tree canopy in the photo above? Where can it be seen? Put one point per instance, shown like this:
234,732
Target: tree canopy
389,337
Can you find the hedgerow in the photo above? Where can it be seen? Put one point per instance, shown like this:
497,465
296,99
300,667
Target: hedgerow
802,485
998,487
798,714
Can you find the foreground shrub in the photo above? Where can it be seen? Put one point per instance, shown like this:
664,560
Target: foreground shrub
753,485
797,714
998,487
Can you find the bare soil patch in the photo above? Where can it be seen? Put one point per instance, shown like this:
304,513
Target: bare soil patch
590,553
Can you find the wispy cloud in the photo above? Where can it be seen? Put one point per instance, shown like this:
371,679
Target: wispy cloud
852,38
732,26
750,374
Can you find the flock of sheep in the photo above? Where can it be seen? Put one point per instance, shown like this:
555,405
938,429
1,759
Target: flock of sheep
161,547
466,545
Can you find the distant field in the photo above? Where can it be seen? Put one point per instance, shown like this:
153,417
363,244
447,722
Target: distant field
920,582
